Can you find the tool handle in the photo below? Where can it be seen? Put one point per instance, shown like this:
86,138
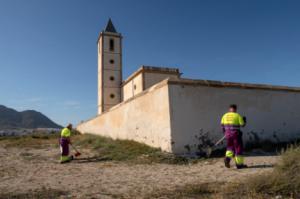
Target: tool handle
73,147
218,142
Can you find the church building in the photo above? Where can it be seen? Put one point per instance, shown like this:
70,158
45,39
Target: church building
157,107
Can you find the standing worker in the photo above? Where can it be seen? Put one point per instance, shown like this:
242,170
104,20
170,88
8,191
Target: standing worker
64,142
231,123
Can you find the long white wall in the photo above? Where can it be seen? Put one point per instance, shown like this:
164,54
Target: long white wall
196,111
178,115
144,118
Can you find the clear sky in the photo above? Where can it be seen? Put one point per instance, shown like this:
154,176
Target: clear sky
48,53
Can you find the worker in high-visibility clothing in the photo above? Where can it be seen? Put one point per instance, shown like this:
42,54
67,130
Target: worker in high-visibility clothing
64,141
231,123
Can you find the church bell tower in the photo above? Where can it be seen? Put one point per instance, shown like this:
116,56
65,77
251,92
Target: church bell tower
109,68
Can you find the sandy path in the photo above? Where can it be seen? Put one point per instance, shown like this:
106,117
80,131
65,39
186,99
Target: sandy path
25,170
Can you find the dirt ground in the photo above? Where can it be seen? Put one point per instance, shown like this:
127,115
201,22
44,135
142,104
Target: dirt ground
28,170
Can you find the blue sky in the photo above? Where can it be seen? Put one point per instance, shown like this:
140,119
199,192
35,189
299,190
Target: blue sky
48,53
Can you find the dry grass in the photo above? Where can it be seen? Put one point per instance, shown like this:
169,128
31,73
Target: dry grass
106,148
44,193
126,150
284,180
121,151
195,191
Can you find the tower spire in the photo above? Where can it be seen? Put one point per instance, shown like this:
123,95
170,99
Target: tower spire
110,27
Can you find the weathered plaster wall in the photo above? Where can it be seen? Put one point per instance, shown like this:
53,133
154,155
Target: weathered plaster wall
151,79
133,87
143,81
144,118
196,111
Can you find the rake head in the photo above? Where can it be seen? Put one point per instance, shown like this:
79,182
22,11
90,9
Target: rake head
209,151
77,154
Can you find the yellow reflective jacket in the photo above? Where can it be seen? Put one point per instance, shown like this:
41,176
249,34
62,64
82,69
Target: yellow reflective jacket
65,132
232,121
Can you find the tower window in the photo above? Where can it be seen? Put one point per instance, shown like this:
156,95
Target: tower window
112,96
111,61
112,78
111,45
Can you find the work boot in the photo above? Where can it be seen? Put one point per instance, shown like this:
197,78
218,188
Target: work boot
68,160
241,166
227,162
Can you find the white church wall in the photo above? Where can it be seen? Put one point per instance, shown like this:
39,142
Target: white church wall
137,84
153,78
133,87
143,81
196,111
127,90
144,118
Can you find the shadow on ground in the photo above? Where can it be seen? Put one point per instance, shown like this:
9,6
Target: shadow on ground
91,159
261,166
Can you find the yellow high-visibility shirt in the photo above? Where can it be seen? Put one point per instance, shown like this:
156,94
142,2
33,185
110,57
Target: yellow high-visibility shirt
232,118
65,132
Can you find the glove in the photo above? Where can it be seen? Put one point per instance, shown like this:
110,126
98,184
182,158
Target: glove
245,119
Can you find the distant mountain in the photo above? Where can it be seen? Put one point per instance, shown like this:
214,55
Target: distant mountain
10,118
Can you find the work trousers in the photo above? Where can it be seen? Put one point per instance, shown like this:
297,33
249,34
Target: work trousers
234,146
64,149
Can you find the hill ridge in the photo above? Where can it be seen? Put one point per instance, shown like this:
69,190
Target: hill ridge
10,118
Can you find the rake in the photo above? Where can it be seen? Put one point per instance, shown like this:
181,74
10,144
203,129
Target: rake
77,152
210,149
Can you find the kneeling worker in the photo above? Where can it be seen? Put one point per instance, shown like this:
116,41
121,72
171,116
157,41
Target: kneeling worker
64,142
231,123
